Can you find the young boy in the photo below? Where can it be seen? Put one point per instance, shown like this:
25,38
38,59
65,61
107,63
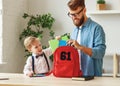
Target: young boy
41,57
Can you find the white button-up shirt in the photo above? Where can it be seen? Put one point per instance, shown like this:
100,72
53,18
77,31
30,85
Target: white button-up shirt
40,64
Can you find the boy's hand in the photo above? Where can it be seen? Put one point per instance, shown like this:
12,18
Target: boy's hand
58,37
30,74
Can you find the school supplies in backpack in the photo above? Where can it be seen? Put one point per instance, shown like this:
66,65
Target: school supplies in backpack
54,43
66,62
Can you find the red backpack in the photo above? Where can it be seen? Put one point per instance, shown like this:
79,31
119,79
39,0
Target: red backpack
66,62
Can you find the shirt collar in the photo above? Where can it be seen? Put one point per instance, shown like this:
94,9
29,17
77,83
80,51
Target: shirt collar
87,22
33,54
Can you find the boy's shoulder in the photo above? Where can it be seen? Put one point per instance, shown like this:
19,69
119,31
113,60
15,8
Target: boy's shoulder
29,57
47,50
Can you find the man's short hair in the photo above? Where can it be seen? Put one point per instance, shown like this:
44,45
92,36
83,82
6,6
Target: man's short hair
74,4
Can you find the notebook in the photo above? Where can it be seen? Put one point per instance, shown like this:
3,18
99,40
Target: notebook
83,78
38,75
62,43
65,38
4,78
54,44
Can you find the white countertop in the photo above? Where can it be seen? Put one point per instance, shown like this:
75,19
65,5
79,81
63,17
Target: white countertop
22,80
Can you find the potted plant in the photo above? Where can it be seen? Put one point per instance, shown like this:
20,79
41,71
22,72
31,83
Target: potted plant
36,26
101,5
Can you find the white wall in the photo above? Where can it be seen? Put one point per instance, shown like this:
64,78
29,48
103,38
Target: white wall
58,9
13,25
111,25
111,4
63,24
13,52
1,30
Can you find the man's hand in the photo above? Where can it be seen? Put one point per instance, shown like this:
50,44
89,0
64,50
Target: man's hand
84,49
74,43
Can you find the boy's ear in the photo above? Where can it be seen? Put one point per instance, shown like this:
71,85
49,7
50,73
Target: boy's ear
29,49
84,10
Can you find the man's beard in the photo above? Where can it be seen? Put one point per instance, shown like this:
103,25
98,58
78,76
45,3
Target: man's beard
81,21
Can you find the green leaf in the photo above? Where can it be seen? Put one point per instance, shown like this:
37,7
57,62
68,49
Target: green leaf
25,15
100,1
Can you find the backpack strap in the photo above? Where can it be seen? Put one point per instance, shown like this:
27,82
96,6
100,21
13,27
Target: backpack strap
33,64
46,61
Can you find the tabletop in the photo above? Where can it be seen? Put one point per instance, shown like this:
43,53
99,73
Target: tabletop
14,79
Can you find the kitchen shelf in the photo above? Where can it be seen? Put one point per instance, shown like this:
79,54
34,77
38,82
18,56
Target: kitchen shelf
104,12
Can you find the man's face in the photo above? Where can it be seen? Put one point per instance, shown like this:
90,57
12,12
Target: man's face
77,16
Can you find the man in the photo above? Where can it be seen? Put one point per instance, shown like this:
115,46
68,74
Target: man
88,37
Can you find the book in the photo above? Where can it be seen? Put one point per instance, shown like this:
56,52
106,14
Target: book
83,78
65,38
54,44
62,43
38,75
4,78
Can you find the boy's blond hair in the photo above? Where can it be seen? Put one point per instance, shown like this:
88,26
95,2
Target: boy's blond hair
29,40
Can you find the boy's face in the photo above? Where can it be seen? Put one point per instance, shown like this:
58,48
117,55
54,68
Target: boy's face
36,47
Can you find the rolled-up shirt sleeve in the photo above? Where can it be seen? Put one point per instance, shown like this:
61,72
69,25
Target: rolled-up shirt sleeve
99,46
